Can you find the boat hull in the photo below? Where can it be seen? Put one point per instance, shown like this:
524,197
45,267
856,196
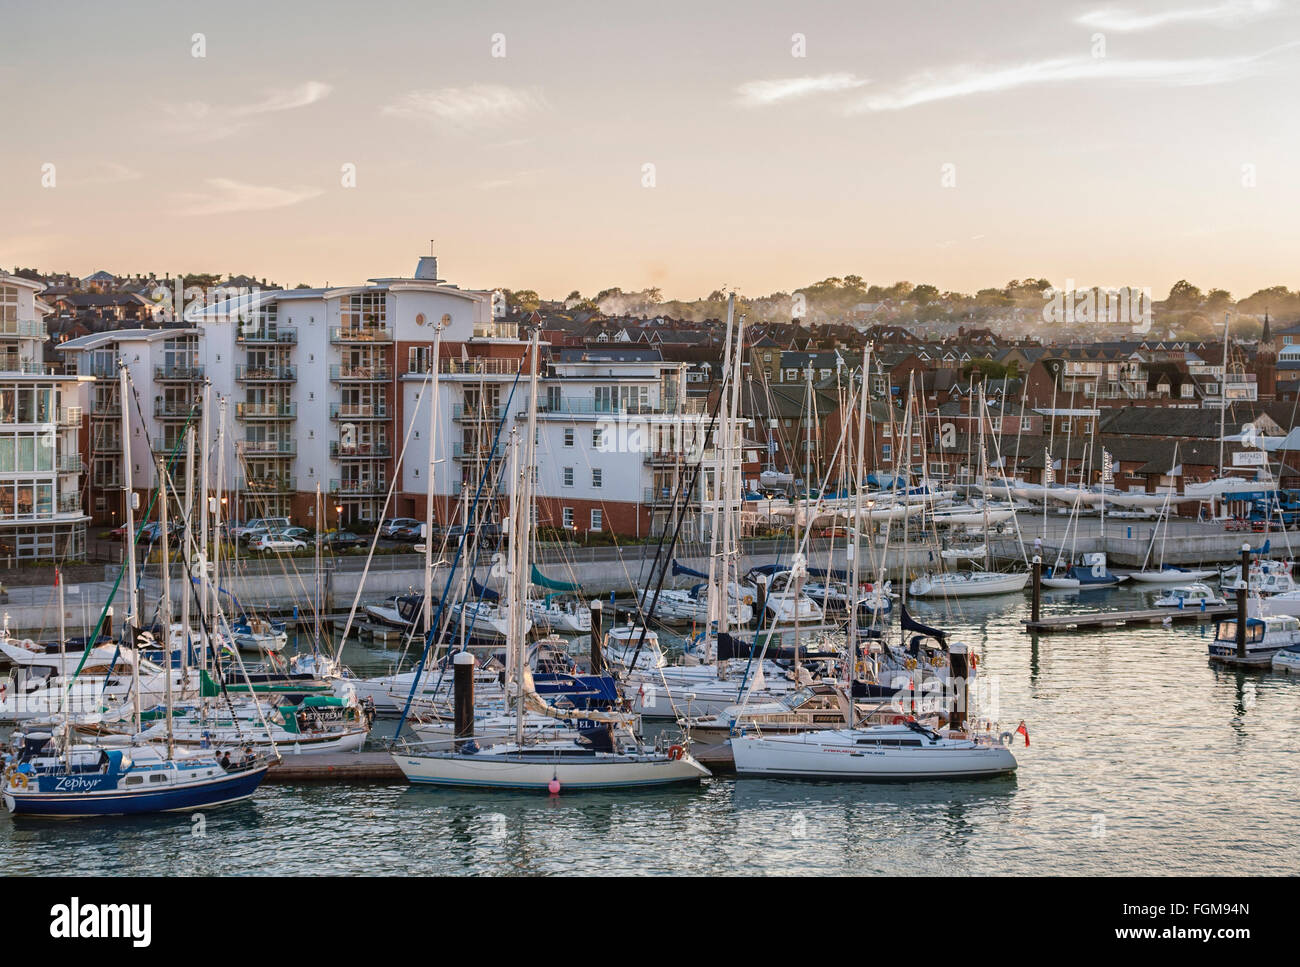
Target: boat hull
221,791
515,771
805,757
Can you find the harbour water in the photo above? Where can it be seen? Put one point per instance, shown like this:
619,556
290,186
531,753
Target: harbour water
1145,759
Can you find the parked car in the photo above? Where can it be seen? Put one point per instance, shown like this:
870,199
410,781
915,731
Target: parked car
407,533
260,525
391,526
277,543
304,534
342,540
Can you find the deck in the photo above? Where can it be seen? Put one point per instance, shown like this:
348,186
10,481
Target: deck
1116,619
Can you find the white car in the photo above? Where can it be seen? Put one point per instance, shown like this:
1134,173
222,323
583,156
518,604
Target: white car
277,543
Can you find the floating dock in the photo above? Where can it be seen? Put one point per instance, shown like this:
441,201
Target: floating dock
336,767
1117,619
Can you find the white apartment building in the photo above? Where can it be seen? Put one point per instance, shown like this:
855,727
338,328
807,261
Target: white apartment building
40,462
322,389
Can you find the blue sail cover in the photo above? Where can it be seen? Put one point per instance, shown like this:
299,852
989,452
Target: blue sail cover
683,569
909,623
484,593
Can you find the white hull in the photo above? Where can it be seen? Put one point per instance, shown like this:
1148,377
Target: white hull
854,754
512,770
1169,577
961,585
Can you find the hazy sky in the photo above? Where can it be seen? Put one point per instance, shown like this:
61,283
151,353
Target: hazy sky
770,170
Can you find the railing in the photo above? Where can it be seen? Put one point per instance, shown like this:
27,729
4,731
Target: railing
358,450
268,485
662,495
172,410
480,452
282,336
358,411
268,448
461,411
266,411
111,408
105,444
360,374
99,370
69,504
69,463
187,373
479,366
358,487
371,334
265,374
25,329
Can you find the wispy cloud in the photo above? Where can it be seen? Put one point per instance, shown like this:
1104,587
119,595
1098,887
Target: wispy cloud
201,121
226,196
1228,13
527,177
762,93
467,106
108,173
930,86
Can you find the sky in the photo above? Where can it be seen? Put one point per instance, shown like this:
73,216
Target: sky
690,146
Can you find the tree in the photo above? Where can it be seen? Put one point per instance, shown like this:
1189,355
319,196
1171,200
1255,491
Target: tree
1183,296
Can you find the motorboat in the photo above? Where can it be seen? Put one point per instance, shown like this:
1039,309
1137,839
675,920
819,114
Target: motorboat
1190,596
256,635
908,750
1265,636
1287,659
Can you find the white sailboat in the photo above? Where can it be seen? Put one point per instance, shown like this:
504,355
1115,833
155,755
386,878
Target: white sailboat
605,759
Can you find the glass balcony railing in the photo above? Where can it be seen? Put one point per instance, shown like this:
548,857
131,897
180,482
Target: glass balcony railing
268,448
265,374
358,451
266,411
269,484
374,373
279,335
473,413
358,487
361,334
178,373
358,411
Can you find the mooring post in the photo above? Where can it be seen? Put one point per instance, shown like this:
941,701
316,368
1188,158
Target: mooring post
1036,600
1242,591
597,655
463,698
960,669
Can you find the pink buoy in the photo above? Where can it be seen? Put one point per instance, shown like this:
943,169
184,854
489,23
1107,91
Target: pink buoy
554,787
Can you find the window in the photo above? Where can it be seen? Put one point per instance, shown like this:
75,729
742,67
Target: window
568,476
595,439
596,477
417,359
567,516
597,519
885,452
568,437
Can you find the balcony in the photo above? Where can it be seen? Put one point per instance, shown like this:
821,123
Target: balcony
105,443
368,335
591,407
358,451
463,413
23,329
460,451
272,484
377,373
178,374
359,488
358,411
105,408
479,366
266,411
69,463
69,504
659,495
173,410
265,374
278,336
268,448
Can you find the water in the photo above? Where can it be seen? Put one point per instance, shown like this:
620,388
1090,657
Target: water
1145,759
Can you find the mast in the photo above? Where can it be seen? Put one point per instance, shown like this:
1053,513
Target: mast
855,574
204,480
165,608
218,497
186,535
717,603
428,504
320,598
128,498
1223,398
63,666
522,513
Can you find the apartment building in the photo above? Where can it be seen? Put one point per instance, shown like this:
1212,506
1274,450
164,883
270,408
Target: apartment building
40,421
324,389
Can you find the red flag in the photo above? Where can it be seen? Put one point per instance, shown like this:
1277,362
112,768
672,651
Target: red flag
1022,730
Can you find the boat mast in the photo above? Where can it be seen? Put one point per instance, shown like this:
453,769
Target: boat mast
128,499
186,536
218,499
855,574
1223,398
319,584
204,432
63,665
717,603
165,607
428,504
731,485
522,512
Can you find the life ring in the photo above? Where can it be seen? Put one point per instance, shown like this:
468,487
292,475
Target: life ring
675,752
1005,738
16,779
898,720
748,599
910,664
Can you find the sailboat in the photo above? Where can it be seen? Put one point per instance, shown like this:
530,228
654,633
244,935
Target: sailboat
598,758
